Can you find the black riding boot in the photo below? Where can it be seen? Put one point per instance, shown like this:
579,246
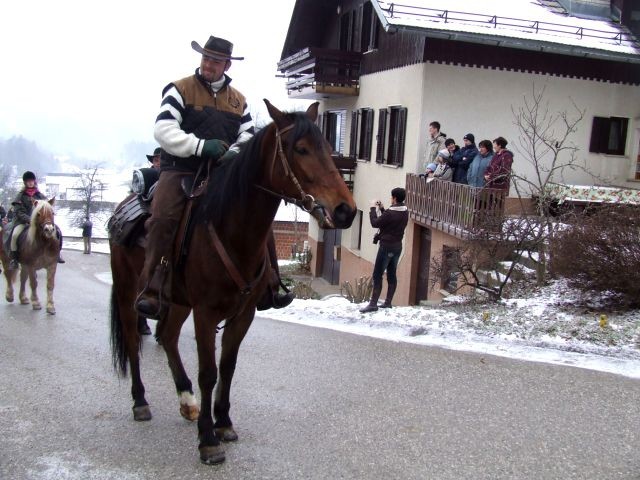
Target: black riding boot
272,298
155,297
373,303
59,233
391,290
14,261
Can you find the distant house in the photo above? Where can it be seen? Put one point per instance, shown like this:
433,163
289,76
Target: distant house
383,71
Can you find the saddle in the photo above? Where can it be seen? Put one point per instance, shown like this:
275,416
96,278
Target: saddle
126,226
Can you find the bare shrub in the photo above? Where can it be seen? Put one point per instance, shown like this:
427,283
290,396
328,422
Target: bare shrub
359,292
303,290
599,251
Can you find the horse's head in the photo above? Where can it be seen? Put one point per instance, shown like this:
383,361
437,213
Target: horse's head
42,218
302,169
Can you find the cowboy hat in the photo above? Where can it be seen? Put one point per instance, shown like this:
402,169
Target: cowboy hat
157,151
217,48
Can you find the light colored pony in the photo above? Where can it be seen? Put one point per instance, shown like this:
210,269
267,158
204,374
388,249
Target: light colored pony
38,247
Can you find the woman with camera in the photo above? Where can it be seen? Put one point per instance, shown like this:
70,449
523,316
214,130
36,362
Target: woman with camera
391,224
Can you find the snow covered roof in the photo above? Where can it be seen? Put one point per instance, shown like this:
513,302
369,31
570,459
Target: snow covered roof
519,23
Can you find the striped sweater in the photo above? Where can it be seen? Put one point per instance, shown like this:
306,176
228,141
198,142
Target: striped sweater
193,111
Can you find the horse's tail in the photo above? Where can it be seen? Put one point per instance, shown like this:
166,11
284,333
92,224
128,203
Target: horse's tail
119,356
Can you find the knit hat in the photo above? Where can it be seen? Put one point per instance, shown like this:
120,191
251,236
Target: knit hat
432,167
470,137
444,153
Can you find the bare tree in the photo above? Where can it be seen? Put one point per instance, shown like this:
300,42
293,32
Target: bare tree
89,190
489,258
545,142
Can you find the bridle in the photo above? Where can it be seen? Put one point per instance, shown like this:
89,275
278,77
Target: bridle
306,201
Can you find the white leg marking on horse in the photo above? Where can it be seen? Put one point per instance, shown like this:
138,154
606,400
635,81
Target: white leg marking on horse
189,399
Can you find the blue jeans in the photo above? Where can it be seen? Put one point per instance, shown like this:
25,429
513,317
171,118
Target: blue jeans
387,259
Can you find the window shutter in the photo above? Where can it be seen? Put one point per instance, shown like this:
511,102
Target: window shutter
599,135
617,138
402,133
380,138
368,135
353,144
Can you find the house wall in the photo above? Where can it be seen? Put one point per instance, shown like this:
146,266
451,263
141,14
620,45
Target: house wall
480,101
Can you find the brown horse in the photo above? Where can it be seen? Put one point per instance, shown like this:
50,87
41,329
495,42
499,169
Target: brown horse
223,276
39,247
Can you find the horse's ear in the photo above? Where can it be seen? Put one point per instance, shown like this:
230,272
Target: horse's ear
275,114
312,111
52,201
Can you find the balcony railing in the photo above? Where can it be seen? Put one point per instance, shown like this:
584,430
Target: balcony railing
316,73
452,207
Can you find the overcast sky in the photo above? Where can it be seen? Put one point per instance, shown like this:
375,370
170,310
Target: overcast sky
86,77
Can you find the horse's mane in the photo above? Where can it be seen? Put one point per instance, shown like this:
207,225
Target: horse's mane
33,226
231,183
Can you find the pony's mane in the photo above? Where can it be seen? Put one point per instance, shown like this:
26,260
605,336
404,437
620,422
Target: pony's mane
33,226
231,183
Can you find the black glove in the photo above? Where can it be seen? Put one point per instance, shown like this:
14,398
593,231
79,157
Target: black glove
214,149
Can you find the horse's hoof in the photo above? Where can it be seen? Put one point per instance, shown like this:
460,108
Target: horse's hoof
24,301
212,455
37,306
51,310
142,414
226,434
9,298
189,412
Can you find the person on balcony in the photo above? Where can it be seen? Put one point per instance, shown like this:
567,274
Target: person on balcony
475,175
391,224
462,158
435,144
498,173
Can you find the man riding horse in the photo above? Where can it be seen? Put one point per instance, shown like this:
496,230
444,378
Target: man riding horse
202,118
22,207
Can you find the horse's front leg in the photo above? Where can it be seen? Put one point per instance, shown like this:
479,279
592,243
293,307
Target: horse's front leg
211,452
33,283
233,334
10,276
169,333
51,280
22,295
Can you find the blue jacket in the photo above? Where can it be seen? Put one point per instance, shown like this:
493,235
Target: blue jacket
460,162
475,175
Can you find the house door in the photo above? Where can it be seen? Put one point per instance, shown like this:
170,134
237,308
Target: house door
424,258
331,260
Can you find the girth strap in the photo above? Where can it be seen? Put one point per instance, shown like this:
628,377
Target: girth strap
245,287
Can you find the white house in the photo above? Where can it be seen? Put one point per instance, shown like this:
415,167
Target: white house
383,71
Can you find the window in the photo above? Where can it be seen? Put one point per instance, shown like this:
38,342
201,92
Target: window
392,126
333,126
369,32
609,135
347,31
361,133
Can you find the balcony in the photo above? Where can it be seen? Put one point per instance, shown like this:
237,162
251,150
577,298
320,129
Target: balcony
453,208
347,168
318,73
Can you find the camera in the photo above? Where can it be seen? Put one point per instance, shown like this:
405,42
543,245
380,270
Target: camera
376,238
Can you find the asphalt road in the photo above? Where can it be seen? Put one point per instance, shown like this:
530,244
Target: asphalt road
307,404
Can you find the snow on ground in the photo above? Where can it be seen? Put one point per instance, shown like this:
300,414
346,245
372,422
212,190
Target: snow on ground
544,327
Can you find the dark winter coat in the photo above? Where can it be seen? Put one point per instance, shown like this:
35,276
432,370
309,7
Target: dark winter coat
87,227
498,173
460,162
391,223
23,205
